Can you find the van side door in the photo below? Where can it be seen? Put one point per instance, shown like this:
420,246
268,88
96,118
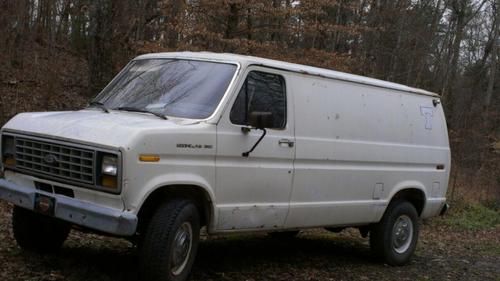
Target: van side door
253,192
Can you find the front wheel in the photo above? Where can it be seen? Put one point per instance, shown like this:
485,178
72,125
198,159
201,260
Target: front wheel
395,237
36,232
170,242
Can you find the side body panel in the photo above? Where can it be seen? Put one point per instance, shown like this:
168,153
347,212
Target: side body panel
357,145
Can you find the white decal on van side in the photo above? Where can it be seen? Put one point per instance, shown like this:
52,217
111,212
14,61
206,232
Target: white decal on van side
427,112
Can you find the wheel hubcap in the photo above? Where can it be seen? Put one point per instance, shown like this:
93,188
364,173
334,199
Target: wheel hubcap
402,234
181,248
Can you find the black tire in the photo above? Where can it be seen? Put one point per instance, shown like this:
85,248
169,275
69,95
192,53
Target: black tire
38,233
384,240
284,234
168,224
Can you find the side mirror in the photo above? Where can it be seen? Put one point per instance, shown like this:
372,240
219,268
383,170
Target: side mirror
261,119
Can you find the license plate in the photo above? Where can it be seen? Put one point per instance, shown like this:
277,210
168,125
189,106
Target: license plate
45,204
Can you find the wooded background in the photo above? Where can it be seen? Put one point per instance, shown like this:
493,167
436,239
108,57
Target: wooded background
58,54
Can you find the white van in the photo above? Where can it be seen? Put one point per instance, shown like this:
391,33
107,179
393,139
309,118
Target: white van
178,141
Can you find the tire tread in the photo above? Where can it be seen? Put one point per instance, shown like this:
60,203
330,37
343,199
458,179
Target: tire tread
159,232
380,234
38,233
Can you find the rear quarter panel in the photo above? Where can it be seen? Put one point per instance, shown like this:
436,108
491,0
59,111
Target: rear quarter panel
357,145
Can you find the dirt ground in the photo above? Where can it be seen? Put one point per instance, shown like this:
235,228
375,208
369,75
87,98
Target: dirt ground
444,253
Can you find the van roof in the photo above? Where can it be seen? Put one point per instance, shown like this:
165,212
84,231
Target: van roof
316,71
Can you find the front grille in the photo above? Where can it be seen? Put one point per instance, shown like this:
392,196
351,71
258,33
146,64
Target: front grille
55,160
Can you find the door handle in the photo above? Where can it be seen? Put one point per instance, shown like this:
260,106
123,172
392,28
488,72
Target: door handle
286,142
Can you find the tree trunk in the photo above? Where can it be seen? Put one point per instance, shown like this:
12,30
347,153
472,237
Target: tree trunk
232,21
173,33
495,53
249,24
99,52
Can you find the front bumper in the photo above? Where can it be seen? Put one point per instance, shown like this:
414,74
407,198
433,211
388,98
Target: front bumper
75,211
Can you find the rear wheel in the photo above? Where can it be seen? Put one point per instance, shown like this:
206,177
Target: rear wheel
39,233
170,243
395,237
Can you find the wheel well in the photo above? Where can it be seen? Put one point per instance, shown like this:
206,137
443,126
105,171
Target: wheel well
194,193
414,196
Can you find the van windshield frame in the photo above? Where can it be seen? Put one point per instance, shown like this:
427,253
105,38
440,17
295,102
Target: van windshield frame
174,87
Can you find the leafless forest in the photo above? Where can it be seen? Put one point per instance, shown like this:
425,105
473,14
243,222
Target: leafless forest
58,54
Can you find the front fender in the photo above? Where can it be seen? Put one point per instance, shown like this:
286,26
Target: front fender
168,180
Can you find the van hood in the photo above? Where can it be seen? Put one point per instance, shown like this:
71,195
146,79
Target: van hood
92,126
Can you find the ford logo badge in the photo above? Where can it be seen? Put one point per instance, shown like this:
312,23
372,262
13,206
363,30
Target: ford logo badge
50,159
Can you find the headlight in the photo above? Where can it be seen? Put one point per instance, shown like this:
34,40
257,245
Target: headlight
108,177
109,165
8,151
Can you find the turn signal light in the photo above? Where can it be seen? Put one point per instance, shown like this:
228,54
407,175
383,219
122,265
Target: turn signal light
109,181
149,158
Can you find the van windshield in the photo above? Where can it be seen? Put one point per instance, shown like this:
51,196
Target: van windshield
172,87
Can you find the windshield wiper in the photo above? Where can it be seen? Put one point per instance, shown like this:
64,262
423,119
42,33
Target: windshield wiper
134,109
99,105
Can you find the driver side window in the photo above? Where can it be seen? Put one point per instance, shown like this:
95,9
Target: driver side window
262,92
